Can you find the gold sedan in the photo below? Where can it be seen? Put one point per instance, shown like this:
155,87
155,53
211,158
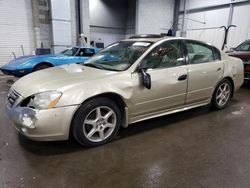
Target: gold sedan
129,81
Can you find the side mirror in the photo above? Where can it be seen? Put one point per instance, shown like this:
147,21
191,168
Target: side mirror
146,78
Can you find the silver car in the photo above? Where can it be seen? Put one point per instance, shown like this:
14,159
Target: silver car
129,81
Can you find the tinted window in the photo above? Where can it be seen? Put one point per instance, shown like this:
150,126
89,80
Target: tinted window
244,47
70,52
199,53
217,55
118,56
86,52
168,54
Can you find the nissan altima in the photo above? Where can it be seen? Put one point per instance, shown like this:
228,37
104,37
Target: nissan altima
143,77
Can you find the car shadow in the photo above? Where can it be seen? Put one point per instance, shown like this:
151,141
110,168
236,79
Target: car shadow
50,147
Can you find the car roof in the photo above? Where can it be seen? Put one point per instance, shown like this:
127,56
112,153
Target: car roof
84,47
154,39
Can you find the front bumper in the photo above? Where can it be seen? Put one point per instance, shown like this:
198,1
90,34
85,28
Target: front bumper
42,125
15,72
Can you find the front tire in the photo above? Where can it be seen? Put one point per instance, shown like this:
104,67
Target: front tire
221,95
96,122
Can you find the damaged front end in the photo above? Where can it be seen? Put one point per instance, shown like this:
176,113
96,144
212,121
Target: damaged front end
23,117
37,116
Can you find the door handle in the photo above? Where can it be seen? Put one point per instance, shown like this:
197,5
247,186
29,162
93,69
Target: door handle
219,69
182,77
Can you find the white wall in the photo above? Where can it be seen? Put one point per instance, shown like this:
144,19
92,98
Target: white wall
154,16
217,17
202,3
196,24
211,18
241,18
106,35
16,29
61,24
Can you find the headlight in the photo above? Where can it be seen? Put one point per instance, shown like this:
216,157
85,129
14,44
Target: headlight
44,100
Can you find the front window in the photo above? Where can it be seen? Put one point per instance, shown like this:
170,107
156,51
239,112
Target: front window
166,55
70,51
119,56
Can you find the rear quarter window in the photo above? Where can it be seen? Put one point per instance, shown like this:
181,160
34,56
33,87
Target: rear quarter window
217,55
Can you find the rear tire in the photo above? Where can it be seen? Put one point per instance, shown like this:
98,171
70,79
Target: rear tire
41,66
96,122
222,94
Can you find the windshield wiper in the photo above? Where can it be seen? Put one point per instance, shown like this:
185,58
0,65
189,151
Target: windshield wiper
93,65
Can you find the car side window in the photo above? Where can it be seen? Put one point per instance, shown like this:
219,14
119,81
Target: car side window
244,47
167,54
199,53
86,52
217,55
89,52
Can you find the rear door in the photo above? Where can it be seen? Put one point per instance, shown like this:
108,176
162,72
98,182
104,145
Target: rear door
205,69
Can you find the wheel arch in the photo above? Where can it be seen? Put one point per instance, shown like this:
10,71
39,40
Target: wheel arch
43,63
232,84
118,99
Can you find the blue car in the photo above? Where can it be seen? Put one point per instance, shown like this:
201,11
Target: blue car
26,64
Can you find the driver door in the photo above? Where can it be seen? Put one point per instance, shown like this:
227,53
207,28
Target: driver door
167,68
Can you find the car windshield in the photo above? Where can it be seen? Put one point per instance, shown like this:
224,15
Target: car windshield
70,51
118,56
244,47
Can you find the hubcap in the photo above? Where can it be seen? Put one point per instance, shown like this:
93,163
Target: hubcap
99,124
223,94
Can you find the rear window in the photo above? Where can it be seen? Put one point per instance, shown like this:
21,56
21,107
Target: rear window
244,47
217,55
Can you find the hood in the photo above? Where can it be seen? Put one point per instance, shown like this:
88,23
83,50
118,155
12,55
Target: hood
58,78
244,55
24,59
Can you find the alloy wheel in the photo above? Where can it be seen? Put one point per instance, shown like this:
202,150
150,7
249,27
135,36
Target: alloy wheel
223,94
99,124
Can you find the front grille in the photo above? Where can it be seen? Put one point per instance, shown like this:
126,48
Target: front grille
12,97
